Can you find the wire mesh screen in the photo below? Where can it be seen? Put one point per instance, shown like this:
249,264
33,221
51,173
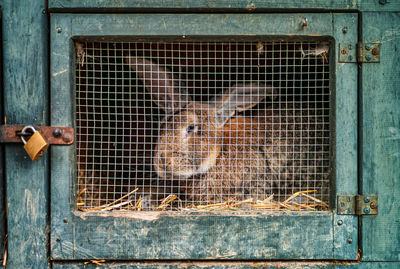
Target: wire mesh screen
203,125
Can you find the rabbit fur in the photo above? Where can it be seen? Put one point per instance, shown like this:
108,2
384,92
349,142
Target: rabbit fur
215,153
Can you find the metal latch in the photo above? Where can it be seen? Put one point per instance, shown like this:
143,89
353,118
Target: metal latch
53,135
360,53
357,205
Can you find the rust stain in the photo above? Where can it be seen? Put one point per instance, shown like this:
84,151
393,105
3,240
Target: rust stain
251,7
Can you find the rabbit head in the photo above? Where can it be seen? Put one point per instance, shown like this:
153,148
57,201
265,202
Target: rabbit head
192,133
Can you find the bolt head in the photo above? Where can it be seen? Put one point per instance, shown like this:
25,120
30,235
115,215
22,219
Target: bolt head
368,57
58,30
350,58
67,138
350,240
57,133
340,222
367,210
375,51
373,205
368,47
344,30
366,199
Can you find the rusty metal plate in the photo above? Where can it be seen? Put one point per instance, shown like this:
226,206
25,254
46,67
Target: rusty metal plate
346,204
54,135
357,205
347,53
366,205
369,52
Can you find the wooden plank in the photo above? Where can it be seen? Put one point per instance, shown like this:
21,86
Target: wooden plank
26,101
381,138
236,265
199,265
345,134
166,25
370,265
3,228
154,236
231,5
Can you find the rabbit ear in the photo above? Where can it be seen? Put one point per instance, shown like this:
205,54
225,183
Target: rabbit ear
160,83
241,97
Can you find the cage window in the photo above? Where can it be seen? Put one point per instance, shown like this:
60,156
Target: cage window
203,125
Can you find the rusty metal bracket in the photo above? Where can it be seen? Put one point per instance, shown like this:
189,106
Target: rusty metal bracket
62,136
357,205
368,52
360,53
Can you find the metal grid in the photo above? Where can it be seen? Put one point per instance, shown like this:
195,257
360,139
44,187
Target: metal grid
203,125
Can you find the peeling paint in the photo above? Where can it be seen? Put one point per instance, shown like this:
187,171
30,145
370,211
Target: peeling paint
146,215
59,73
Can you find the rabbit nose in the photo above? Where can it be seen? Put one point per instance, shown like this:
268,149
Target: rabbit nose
163,160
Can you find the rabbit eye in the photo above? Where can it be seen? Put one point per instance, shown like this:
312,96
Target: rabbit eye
191,128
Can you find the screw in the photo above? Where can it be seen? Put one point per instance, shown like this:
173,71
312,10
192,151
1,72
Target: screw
340,222
67,138
350,240
65,220
350,47
373,205
58,30
58,239
367,46
44,11
367,210
57,133
366,199
344,30
368,57
375,51
350,58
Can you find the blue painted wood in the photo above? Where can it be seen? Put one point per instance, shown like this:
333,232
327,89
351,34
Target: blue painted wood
3,228
370,265
233,5
381,138
201,265
145,235
26,101
345,147
236,265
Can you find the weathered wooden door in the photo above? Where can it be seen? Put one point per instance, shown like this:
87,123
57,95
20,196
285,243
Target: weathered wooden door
126,235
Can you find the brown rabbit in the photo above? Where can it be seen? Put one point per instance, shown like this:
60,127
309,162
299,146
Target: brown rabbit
214,153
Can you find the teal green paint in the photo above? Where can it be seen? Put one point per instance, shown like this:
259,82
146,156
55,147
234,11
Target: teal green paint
237,265
195,237
257,236
232,5
370,265
200,24
199,265
345,146
381,138
25,58
3,228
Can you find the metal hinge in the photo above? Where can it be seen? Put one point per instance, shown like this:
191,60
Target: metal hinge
357,205
360,53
